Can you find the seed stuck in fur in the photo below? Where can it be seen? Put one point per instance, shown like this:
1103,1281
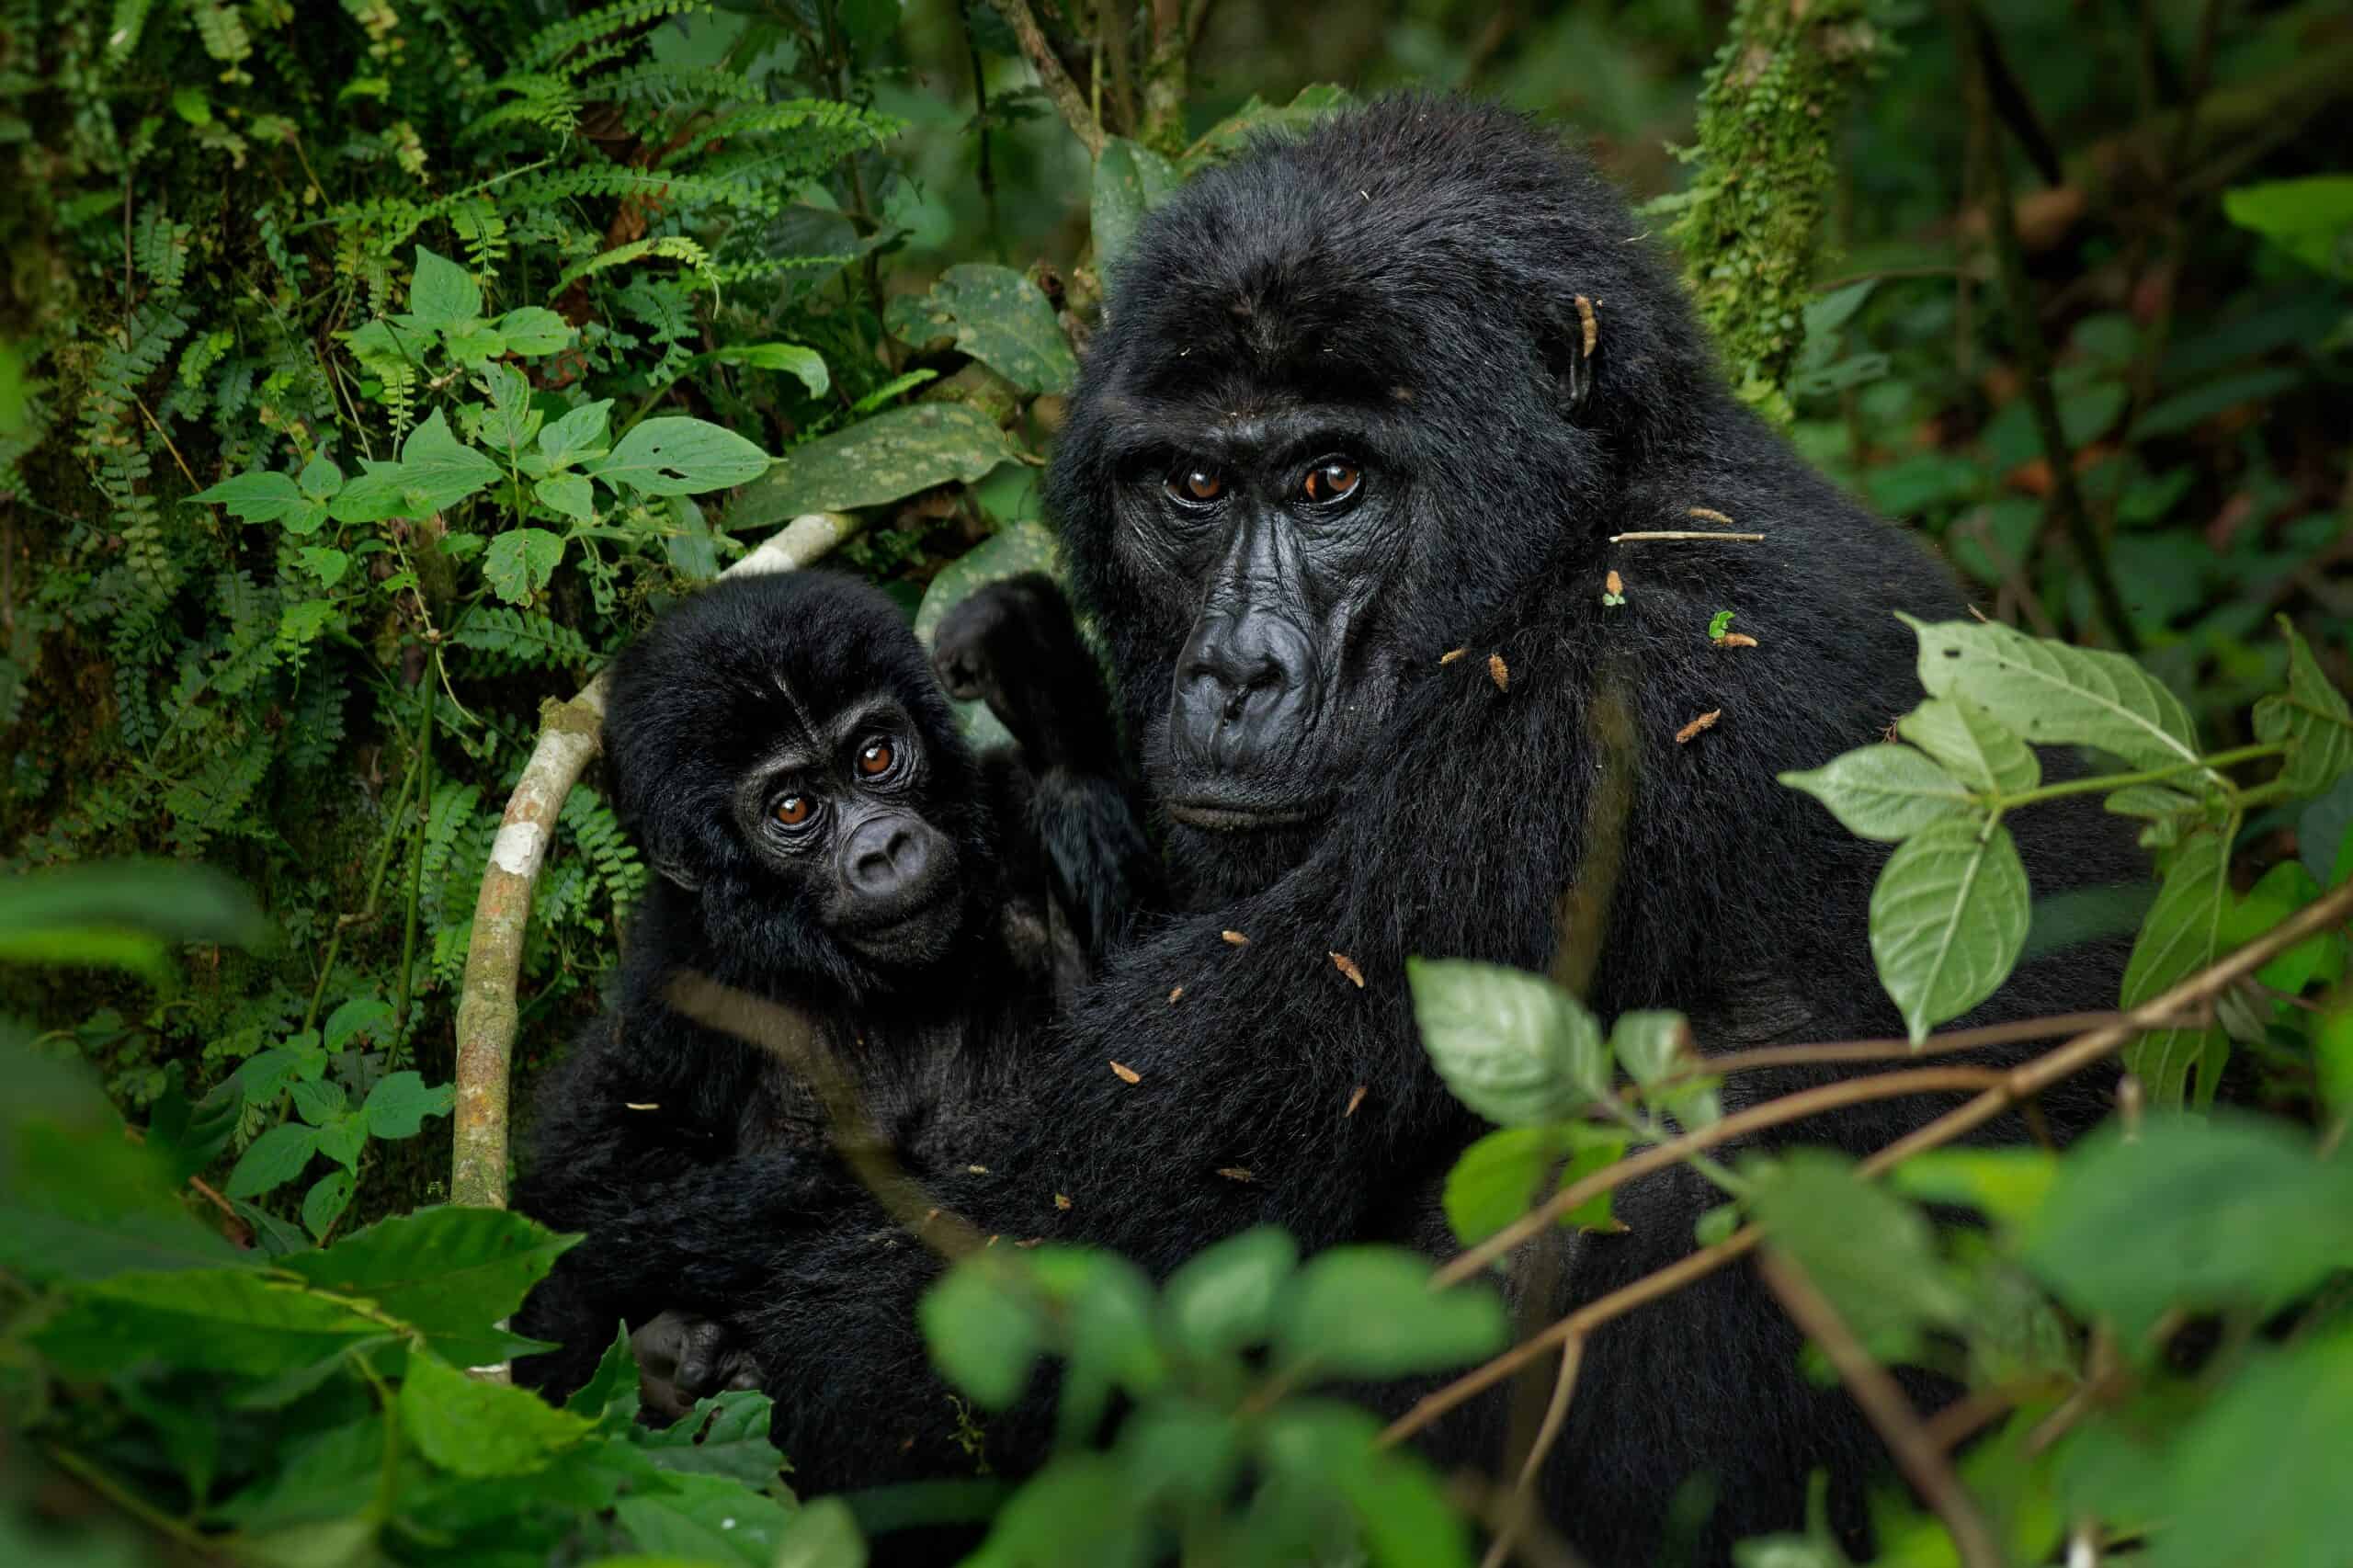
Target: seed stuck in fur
1346,966
1234,938
1592,325
1499,672
1062,1200
1354,1100
1452,654
1127,1074
1704,722
1235,1172
1174,995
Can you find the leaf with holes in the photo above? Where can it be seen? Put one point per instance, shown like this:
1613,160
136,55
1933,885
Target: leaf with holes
1972,745
400,1102
1948,917
520,561
680,457
2183,934
1886,792
1004,321
2054,695
326,1202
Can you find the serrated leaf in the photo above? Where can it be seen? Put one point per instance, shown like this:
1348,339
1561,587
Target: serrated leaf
1886,792
1948,917
440,471
2054,695
705,1519
1513,1046
1130,181
1872,1253
272,1160
452,1272
579,434
2312,718
219,1320
519,562
253,497
442,293
727,1435
509,423
400,1102
887,458
1972,745
1368,1312
2182,934
680,457
1506,1173
328,565
316,1103
568,494
482,1429
326,1202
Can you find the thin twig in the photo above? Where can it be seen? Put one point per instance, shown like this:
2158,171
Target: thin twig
1682,534
1556,1416
1067,99
1842,1052
1875,1389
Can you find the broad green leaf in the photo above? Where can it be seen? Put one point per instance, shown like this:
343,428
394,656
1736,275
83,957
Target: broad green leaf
2007,1184
823,1534
1232,135
400,1102
369,1018
472,343
609,1397
707,1519
450,1272
889,457
2182,934
2223,1212
1948,917
320,478
1130,181
519,562
724,1435
2312,718
442,293
679,457
471,1427
2325,834
1972,745
1104,1307
534,330
983,1332
509,423
2278,894
1003,321
220,1319
1079,1509
377,493
1513,1046
1651,1045
317,1102
326,1202
2310,219
342,1138
1311,1449
1507,1172
1224,1298
2333,1059
792,358
2054,695
169,901
568,494
253,497
1368,1312
2149,801
305,519
328,565
1886,792
438,470
579,434
1872,1253
273,1159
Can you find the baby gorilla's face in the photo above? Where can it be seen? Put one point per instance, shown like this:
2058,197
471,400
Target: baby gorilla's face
838,810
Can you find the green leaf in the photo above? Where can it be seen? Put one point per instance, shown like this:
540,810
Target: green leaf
1886,792
400,1102
579,434
680,457
723,1436
1130,181
273,1159
318,1102
253,497
320,479
1513,1046
1948,917
471,1427
442,294
792,358
2312,718
1871,1253
122,912
1368,1312
1972,745
2054,695
509,423
438,471
983,1332
2310,219
1504,1174
824,1534
2226,1211
342,1137
223,1320
707,1519
328,565
2149,801
1224,1298
2182,934
1651,1045
1314,1448
609,1397
2277,895
1104,1306
519,562
2333,1059
534,330
568,494
887,458
450,1272
326,1202
1004,321
380,491
361,1018
2007,1184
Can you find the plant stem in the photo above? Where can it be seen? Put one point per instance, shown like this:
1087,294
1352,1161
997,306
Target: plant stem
2108,781
416,870
397,821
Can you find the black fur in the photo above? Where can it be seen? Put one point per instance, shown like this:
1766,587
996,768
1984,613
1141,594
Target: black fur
653,1119
1406,275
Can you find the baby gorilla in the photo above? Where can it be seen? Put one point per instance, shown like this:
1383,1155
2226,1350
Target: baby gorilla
823,840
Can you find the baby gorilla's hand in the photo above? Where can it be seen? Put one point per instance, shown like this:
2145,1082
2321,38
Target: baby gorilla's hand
682,1359
994,632
1012,645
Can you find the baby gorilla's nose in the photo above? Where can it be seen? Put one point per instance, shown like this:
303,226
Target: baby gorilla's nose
886,856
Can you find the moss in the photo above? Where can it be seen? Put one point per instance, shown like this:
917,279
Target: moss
1750,226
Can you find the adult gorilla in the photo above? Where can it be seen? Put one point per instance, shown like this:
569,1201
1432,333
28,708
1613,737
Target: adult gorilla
1347,415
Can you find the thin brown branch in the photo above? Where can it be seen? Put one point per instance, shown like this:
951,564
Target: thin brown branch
2331,910
1839,1053
1556,1416
1067,99
1917,1453
1539,1219
1684,534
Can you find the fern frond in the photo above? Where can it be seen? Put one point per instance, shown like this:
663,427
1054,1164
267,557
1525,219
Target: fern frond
554,43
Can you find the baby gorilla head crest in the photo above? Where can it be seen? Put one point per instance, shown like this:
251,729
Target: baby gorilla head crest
1360,396
785,758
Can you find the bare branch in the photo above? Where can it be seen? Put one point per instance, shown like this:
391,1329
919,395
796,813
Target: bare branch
1068,100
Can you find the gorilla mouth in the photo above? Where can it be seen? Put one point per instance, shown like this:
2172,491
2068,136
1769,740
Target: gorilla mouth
1217,816
909,936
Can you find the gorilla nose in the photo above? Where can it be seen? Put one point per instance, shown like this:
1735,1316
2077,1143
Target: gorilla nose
1241,689
887,857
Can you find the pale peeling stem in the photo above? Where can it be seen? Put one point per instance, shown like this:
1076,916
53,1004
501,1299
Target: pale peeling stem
487,1007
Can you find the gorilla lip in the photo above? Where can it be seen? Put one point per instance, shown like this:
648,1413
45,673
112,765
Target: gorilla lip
1232,819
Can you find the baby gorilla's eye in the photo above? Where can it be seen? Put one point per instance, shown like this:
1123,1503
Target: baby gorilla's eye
1334,480
1196,486
793,810
875,757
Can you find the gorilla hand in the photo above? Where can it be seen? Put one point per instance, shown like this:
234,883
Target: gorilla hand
682,1359
1012,644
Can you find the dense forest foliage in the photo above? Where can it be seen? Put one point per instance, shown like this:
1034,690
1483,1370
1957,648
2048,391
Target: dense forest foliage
370,373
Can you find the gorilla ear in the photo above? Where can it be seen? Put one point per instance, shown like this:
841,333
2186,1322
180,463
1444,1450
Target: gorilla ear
1573,344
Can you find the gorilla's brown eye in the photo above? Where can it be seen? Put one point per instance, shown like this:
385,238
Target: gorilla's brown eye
1197,486
874,759
1332,481
793,810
